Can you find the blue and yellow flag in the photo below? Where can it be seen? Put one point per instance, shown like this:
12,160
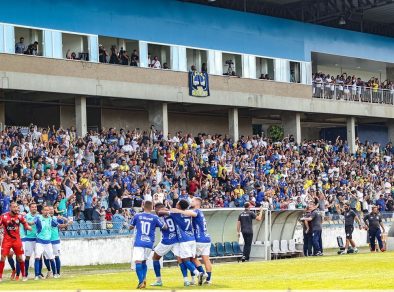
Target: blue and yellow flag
198,84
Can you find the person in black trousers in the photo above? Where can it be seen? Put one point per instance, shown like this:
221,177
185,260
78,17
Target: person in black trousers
245,225
307,231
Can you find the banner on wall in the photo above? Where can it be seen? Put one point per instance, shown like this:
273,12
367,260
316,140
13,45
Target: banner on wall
198,84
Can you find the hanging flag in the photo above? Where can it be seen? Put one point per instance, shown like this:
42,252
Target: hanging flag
198,84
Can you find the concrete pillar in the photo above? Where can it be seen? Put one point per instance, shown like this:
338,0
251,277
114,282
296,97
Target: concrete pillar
390,73
291,123
67,116
233,123
158,116
80,116
390,128
2,115
351,133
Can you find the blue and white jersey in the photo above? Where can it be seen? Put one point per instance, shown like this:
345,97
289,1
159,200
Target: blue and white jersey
184,227
145,225
200,227
169,235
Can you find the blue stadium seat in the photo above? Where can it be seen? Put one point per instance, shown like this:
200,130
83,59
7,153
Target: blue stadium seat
74,226
82,225
89,225
105,232
228,249
236,248
169,256
91,233
213,252
73,234
220,249
83,233
97,233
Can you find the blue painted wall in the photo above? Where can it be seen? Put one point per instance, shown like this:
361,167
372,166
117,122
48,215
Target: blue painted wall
175,22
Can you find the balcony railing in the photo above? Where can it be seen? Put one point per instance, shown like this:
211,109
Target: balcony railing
353,93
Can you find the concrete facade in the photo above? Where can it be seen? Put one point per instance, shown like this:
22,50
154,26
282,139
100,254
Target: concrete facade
67,116
233,126
390,126
80,115
291,122
158,116
351,133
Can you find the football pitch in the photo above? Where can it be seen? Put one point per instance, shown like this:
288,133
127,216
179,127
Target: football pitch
358,271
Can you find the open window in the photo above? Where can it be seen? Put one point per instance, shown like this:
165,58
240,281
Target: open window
295,72
232,64
197,58
127,51
159,56
28,41
265,68
75,47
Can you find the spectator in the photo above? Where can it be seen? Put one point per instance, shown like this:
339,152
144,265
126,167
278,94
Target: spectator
114,58
134,59
155,63
103,55
32,49
20,47
124,57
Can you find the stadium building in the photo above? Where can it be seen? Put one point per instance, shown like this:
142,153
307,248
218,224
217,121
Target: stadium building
236,42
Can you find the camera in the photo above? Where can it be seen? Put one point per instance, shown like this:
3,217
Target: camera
229,62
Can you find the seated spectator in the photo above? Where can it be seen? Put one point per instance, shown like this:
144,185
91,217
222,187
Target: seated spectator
262,76
134,59
165,66
155,63
20,47
32,49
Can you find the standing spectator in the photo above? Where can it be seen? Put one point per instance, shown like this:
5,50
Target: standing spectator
374,225
102,54
316,220
134,59
20,47
307,231
124,57
103,222
245,225
114,58
155,63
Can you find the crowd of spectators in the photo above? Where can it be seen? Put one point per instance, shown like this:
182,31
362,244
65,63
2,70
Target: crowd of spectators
105,176
352,88
22,48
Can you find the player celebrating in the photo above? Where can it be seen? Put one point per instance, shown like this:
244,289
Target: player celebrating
350,216
44,224
187,241
10,221
55,239
145,224
30,237
169,242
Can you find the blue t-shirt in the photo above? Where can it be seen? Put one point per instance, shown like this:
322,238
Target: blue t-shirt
200,227
168,236
145,225
184,227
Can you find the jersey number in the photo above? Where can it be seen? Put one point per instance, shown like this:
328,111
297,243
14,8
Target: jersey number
170,224
145,228
188,222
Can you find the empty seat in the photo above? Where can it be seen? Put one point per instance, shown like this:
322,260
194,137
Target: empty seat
89,225
293,249
220,249
97,233
74,226
169,256
276,252
213,252
90,233
236,248
284,248
83,233
228,249
73,234
82,225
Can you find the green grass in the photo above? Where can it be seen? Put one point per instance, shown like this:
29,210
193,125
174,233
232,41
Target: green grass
361,271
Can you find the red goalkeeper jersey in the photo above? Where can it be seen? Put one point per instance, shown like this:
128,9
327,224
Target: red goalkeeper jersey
11,226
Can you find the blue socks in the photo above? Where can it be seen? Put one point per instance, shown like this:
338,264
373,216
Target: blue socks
40,264
53,267
144,269
37,270
57,261
200,269
11,262
46,262
190,266
140,272
156,267
183,268
27,264
209,276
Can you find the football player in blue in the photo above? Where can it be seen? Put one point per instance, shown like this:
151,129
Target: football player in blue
169,242
145,224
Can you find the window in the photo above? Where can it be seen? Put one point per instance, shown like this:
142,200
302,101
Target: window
32,41
159,56
232,64
295,72
265,68
196,57
75,47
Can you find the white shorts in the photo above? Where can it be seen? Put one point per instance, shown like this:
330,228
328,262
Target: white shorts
187,249
203,248
29,247
44,249
163,249
141,254
56,249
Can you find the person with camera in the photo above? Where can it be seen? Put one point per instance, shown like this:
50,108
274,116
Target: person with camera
374,225
245,226
350,216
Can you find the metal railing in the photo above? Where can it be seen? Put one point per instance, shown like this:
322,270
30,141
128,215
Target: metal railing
365,94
